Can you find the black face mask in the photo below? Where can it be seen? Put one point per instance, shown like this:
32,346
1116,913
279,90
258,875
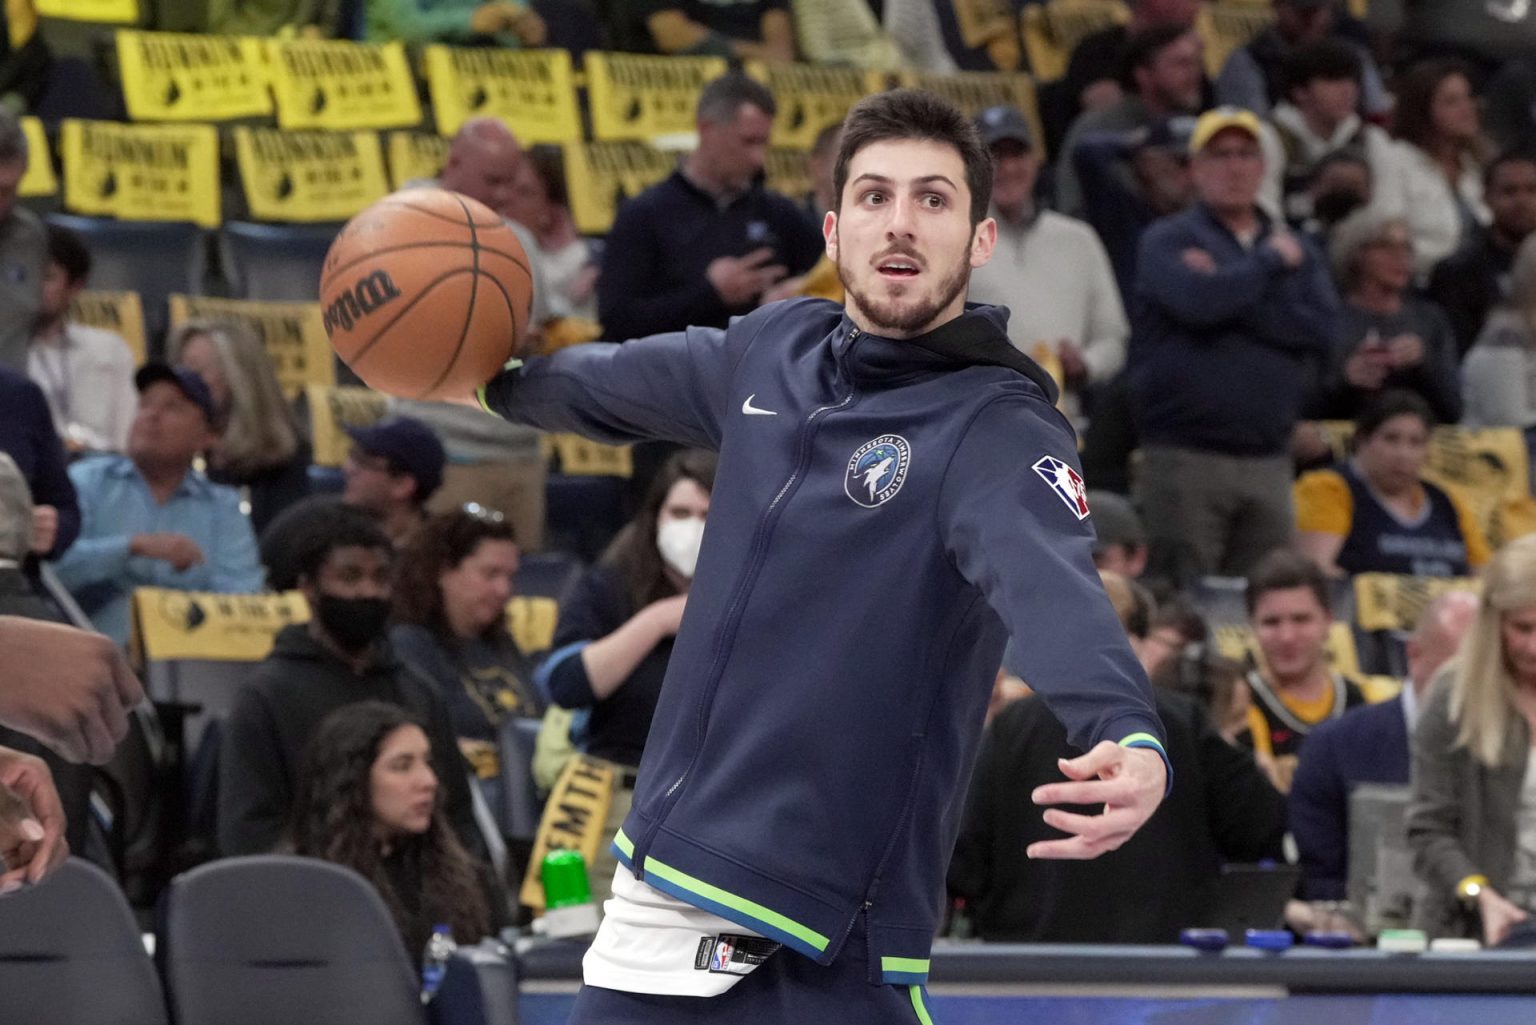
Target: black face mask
353,623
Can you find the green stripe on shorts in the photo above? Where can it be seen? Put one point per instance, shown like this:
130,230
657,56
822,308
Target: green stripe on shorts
920,1005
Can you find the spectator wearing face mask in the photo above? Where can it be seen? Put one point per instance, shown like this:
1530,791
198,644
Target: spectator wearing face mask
616,628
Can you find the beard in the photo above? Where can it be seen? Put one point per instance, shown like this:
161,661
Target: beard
892,317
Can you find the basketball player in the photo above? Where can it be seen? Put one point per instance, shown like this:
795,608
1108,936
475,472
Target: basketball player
897,496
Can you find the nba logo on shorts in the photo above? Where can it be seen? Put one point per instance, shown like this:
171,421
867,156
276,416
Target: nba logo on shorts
720,960
1066,482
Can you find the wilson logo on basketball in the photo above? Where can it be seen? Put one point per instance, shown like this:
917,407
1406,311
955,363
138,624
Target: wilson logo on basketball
361,299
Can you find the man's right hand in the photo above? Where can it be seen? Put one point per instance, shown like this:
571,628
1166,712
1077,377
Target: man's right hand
177,549
68,688
1290,251
32,824
739,280
1499,916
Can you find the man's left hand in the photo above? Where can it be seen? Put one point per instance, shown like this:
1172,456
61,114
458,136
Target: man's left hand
1128,781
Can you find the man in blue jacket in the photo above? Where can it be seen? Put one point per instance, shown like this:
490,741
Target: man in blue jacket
1230,314
897,495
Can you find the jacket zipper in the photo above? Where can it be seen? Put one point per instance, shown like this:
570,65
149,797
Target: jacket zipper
757,545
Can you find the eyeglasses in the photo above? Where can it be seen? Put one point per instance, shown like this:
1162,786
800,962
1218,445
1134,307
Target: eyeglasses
481,513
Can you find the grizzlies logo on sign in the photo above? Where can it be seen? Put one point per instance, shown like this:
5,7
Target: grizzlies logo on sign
877,470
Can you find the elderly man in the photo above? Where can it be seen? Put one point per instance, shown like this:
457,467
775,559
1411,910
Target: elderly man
149,519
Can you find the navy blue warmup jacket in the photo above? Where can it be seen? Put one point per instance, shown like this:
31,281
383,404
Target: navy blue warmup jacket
886,514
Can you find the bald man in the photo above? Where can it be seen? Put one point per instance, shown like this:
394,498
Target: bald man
1369,745
490,461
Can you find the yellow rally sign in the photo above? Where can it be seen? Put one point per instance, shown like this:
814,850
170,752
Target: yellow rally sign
39,179
531,90
332,410
110,12
292,333
974,91
173,76
322,83
531,620
583,457
120,312
810,98
635,97
413,156
180,625
142,172
1388,601
600,174
574,817
309,176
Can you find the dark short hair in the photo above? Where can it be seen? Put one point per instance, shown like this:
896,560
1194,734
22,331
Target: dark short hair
1327,60
1282,570
1391,403
1521,153
341,527
916,114
723,97
13,141
1142,48
67,249
825,138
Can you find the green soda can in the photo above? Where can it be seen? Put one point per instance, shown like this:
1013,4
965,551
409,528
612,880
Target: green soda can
564,874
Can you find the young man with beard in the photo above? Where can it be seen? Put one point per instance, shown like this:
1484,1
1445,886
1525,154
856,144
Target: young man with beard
341,656
897,495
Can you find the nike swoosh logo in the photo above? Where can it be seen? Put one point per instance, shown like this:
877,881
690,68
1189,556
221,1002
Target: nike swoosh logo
751,410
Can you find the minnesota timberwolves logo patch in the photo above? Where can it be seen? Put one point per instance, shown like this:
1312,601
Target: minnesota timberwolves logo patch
877,470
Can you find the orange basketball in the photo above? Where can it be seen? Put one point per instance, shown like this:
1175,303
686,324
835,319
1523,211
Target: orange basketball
426,294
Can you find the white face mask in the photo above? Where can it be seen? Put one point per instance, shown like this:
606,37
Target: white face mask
678,540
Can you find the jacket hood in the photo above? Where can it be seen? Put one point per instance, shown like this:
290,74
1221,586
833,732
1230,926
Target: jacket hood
979,336
295,642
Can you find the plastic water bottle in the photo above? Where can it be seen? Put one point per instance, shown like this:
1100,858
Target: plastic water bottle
434,961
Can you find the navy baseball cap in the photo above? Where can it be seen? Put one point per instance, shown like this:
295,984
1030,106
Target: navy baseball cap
411,448
1004,122
189,383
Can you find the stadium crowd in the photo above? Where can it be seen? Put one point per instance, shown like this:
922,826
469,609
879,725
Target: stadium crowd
1291,304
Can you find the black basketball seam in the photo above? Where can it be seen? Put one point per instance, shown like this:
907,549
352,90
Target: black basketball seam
425,290
442,217
420,245
469,312
512,309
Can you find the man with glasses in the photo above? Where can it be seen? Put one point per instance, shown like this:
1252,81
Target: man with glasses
391,470
1231,311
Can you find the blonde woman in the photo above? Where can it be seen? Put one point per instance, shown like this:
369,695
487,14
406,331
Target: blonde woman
1472,823
260,446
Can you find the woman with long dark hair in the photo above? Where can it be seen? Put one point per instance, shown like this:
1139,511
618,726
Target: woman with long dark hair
454,582
368,798
616,628
1436,182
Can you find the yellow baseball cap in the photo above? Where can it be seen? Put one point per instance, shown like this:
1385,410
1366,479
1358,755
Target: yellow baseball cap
1219,120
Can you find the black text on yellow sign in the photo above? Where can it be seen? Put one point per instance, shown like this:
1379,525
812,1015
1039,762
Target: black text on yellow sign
531,90
332,410
142,172
119,312
189,625
810,98
342,86
172,76
646,98
974,91
292,333
414,156
38,179
309,176
574,817
599,175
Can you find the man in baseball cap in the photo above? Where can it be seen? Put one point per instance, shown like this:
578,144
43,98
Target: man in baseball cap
393,467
